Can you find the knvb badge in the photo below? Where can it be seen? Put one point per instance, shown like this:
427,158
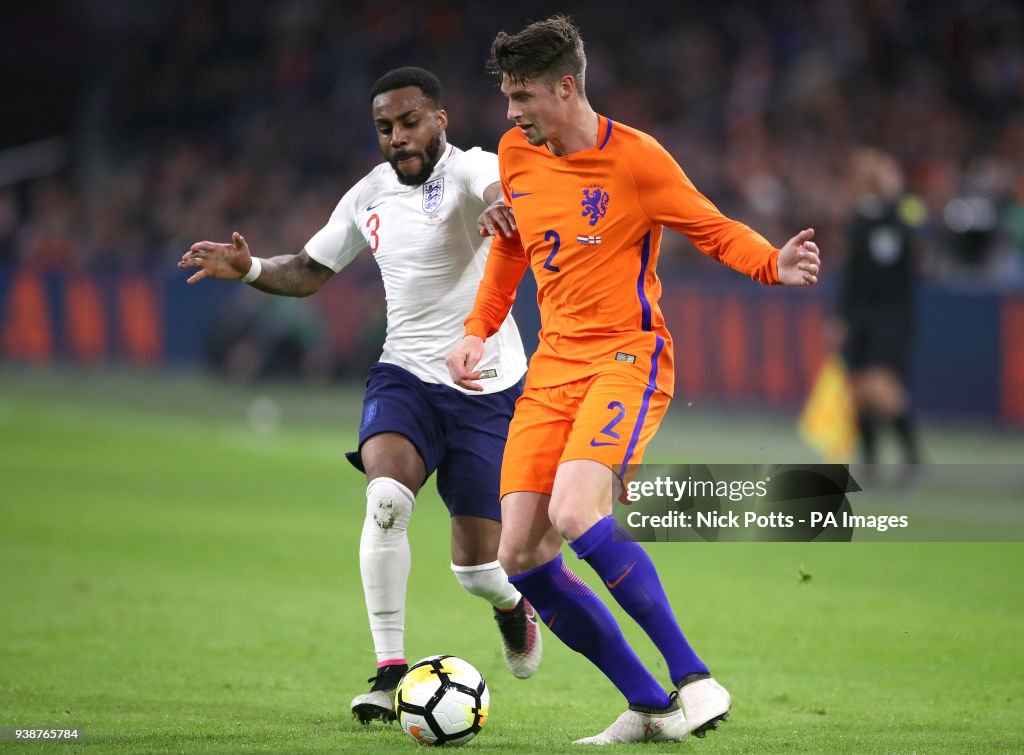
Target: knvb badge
433,193
594,204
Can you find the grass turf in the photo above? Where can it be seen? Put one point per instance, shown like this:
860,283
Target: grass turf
175,581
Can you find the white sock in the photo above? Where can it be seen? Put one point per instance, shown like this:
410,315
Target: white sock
488,581
384,562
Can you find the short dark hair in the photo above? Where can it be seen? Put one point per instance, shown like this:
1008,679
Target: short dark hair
409,76
546,50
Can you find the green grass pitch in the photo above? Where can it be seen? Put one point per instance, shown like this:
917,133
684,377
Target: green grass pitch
173,580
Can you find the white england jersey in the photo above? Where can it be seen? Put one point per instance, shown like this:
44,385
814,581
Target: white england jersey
431,258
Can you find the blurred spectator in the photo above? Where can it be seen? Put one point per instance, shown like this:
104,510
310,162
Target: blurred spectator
265,337
199,117
8,225
51,238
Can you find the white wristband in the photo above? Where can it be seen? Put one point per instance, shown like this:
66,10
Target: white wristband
254,271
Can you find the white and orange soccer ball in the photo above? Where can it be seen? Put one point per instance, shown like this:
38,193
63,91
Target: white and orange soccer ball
442,700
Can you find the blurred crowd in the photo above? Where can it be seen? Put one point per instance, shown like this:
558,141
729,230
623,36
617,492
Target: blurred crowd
198,118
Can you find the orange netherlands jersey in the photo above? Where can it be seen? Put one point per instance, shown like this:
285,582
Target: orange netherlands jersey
590,226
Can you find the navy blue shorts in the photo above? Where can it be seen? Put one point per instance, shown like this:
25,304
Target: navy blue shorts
461,437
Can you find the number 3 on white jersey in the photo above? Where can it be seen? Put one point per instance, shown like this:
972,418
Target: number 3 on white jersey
373,225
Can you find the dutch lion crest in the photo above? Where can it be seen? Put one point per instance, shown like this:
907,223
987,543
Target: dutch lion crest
594,204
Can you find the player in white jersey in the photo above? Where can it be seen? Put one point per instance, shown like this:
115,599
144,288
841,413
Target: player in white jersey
417,213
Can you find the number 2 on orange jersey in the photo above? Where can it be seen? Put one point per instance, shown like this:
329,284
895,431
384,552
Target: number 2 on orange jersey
552,236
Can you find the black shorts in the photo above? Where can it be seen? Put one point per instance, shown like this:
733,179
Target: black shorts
879,339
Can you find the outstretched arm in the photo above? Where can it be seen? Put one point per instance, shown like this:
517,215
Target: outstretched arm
668,197
286,275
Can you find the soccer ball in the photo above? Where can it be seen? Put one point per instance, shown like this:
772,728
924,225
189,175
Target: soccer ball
442,700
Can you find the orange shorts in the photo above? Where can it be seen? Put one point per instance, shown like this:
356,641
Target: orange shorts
608,418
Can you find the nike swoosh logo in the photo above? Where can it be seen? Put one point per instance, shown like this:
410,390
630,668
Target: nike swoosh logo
595,444
615,583
372,206
521,194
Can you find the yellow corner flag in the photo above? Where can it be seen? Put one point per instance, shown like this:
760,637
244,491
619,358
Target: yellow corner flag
828,423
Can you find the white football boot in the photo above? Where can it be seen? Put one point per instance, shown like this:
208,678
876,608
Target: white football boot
705,703
639,724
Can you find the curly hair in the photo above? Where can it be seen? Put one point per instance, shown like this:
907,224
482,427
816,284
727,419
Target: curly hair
409,76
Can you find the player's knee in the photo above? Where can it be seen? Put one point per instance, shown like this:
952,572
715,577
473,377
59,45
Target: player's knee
570,520
488,581
389,505
513,560
475,539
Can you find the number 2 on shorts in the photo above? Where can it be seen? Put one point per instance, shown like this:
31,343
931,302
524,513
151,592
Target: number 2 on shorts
608,430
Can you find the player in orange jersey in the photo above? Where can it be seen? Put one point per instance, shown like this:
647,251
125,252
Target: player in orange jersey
590,198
